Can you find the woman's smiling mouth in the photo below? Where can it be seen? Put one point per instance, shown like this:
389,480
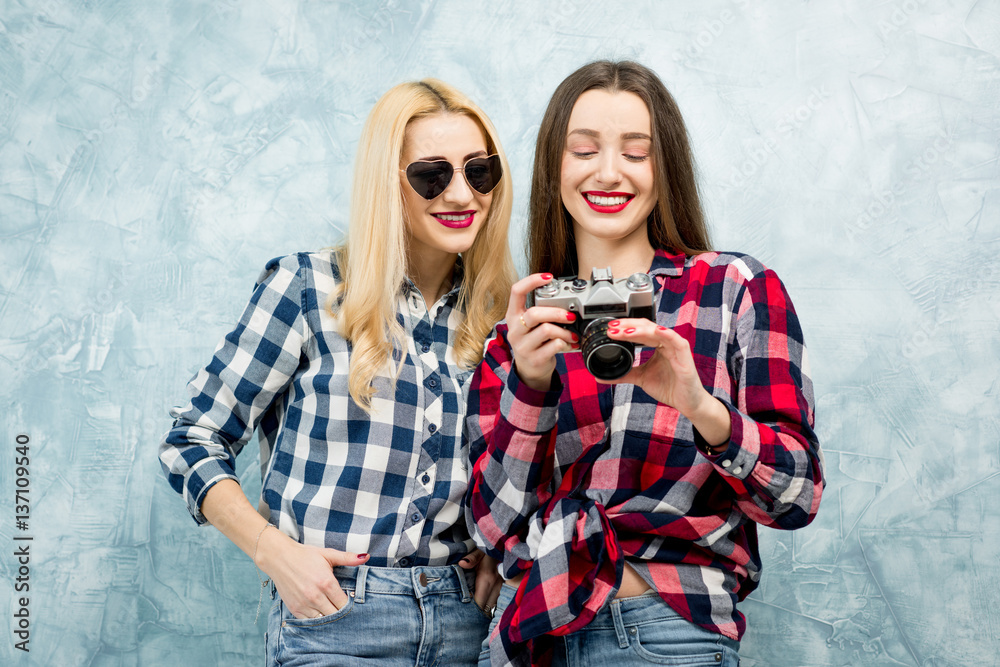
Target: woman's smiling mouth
457,220
608,202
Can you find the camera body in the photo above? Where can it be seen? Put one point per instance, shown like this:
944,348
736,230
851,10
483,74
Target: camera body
597,302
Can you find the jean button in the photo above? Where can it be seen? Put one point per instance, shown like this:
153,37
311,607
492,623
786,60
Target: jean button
423,579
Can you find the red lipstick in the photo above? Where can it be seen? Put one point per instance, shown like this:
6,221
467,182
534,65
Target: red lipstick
608,208
455,220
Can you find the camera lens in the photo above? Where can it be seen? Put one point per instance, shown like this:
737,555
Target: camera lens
606,359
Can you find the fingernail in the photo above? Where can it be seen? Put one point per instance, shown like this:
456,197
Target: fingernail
630,330
575,338
465,560
362,556
613,323
547,276
662,328
570,316
614,331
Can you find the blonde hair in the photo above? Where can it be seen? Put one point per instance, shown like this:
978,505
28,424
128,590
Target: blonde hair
373,261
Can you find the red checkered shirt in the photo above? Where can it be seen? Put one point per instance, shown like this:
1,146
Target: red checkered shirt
570,483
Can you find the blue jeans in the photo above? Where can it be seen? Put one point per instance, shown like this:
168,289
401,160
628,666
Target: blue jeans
643,630
393,616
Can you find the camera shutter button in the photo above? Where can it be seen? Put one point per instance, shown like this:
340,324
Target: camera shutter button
548,290
638,281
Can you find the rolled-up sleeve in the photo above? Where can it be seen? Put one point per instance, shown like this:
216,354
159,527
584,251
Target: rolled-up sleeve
252,366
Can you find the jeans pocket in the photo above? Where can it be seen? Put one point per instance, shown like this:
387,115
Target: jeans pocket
307,641
288,620
680,643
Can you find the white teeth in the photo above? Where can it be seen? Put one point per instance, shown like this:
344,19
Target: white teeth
452,218
607,201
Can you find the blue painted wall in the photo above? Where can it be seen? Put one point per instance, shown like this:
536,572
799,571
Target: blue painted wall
153,155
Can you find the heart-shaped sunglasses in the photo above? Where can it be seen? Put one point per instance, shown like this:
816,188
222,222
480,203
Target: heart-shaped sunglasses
430,179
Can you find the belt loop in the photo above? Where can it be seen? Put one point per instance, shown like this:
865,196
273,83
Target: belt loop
616,614
464,583
359,584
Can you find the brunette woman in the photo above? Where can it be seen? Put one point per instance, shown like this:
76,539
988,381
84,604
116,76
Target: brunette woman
352,364
625,510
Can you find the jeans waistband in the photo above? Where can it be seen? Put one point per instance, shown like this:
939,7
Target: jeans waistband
416,581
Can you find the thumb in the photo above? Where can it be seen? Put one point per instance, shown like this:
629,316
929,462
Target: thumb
335,557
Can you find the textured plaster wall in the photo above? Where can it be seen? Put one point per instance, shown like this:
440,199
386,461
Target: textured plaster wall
154,154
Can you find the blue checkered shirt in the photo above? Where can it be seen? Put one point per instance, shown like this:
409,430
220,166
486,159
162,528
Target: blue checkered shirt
390,483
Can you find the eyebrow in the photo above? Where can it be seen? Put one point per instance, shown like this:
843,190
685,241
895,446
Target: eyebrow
435,158
626,135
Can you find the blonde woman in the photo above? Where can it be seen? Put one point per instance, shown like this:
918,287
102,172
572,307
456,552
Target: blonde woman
353,364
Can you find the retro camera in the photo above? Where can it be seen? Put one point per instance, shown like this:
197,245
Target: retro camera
596,302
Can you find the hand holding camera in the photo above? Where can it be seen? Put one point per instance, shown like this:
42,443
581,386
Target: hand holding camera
605,320
596,303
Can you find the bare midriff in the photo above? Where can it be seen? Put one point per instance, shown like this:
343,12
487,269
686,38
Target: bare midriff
632,583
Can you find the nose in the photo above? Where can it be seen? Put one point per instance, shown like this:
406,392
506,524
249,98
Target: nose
608,171
459,191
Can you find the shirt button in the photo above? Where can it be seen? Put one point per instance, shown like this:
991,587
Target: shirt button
432,428
727,463
403,562
425,347
415,516
737,470
426,478
432,383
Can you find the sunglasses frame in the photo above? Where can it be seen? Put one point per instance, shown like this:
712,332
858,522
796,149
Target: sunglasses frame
490,159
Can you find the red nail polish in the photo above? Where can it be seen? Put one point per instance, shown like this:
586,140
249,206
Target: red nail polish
614,331
662,328
630,330
613,323
575,338
570,316
547,276
362,556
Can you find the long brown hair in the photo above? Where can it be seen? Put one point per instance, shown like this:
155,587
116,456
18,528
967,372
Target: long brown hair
676,223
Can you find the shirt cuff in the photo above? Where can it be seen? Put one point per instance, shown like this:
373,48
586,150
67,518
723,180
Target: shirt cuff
743,450
203,477
528,409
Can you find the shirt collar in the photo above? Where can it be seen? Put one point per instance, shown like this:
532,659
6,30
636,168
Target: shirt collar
666,263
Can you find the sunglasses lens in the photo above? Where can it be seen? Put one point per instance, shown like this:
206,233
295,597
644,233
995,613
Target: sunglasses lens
484,173
429,179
